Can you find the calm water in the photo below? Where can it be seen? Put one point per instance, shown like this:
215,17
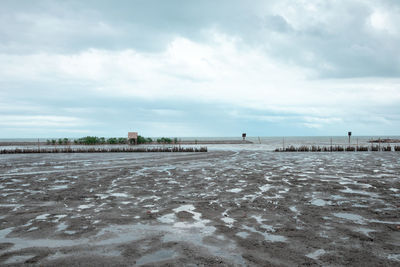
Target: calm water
267,143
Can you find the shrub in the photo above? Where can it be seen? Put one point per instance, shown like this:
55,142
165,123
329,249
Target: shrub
89,140
164,140
112,140
142,140
121,140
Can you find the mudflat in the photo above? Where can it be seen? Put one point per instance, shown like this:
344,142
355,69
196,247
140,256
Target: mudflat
225,208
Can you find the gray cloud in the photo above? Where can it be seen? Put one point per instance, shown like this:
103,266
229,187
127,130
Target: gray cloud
272,62
335,39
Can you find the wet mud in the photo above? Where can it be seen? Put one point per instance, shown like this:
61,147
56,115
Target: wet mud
221,208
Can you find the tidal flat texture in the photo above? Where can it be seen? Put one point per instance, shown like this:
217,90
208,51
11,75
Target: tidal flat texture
229,208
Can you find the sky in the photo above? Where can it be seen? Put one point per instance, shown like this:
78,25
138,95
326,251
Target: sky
199,68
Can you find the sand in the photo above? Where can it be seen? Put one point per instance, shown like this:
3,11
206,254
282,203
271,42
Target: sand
225,208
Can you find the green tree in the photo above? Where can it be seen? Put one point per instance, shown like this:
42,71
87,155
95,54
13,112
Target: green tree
121,140
112,140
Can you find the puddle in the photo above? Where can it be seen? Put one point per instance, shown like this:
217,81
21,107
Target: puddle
58,187
350,216
228,221
160,255
196,216
336,197
234,190
394,257
59,217
364,231
61,227
102,196
320,202
69,232
167,218
243,235
384,222
316,254
42,217
265,188
267,236
82,207
5,232
359,192
119,195
18,259
293,209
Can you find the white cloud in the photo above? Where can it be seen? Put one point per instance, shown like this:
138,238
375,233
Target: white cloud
222,69
385,20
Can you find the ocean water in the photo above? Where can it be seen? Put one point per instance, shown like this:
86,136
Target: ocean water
262,142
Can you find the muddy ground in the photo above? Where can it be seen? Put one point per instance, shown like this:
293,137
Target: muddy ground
243,207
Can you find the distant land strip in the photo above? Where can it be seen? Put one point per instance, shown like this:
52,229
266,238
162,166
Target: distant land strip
386,140
185,142
102,150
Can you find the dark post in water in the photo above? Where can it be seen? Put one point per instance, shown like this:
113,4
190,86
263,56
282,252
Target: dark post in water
349,133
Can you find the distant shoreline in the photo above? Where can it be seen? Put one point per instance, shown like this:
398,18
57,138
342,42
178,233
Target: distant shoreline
386,140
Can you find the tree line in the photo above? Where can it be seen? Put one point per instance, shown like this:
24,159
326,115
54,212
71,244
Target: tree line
94,140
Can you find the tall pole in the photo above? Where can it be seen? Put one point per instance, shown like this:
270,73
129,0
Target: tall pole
349,134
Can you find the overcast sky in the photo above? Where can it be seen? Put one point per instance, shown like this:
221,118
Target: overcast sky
199,68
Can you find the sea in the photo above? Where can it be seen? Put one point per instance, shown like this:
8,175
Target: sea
259,142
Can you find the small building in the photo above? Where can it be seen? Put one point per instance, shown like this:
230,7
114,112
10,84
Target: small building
132,138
